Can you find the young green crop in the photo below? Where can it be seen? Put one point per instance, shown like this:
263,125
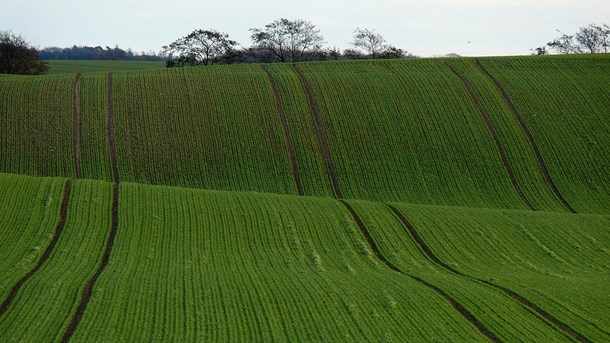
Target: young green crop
191,265
29,210
36,124
564,102
46,302
558,261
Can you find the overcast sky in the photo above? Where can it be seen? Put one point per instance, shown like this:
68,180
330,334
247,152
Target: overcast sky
425,28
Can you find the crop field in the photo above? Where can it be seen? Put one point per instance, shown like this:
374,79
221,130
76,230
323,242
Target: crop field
83,66
351,201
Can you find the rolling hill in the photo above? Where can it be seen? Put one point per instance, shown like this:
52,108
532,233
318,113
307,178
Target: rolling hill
385,200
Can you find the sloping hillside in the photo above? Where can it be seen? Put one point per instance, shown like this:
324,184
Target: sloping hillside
523,133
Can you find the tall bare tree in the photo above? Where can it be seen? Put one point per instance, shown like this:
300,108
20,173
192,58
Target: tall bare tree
288,40
370,41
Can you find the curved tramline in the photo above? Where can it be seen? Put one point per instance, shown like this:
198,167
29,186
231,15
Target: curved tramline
494,135
515,255
563,102
430,254
464,312
530,139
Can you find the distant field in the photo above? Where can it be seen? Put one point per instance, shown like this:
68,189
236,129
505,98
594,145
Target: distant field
73,66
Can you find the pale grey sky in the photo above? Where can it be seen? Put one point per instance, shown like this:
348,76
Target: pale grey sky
425,28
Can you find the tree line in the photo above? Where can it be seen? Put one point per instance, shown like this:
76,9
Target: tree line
97,53
282,40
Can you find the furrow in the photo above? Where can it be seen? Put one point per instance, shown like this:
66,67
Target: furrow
458,307
494,136
432,257
45,256
286,129
76,126
321,134
528,135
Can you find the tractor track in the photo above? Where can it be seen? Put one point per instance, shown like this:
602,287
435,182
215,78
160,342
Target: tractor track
456,305
322,139
87,291
86,295
76,126
286,129
528,135
45,256
494,136
429,254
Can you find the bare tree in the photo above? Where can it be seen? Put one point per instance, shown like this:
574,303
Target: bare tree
564,44
373,43
288,40
593,38
18,57
589,39
201,47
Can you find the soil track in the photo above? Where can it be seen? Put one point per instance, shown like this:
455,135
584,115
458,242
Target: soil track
287,136
76,125
433,258
322,139
45,256
110,139
82,306
494,136
461,309
530,138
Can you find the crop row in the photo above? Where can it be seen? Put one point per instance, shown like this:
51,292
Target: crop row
36,124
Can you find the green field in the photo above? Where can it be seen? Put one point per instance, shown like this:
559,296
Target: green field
83,66
355,201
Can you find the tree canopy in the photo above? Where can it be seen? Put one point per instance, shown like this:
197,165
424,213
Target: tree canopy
288,40
201,47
